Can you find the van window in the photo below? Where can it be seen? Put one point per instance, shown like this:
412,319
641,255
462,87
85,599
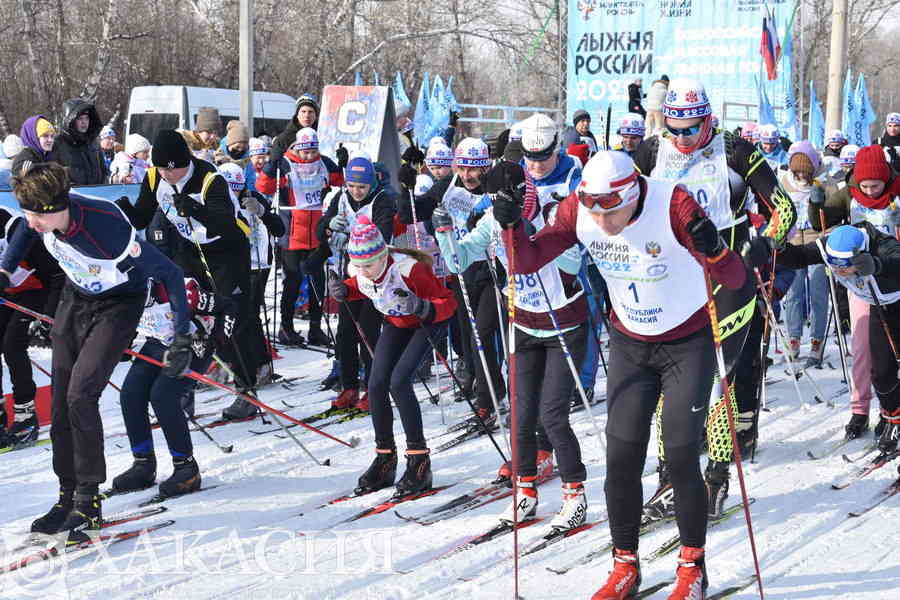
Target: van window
270,127
149,124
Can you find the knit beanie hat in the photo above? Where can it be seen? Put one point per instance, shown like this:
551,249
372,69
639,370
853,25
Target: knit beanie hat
307,99
803,158
208,119
258,147
170,151
843,244
12,145
360,170
237,133
135,143
366,243
306,139
871,164
44,127
107,132
580,115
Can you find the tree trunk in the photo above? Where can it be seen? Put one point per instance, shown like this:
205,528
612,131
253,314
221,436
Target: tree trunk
92,81
30,35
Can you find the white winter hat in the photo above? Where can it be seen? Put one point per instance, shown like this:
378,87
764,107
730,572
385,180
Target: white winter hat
686,99
632,124
848,155
12,145
472,152
306,139
836,136
538,137
257,147
234,175
135,143
892,119
437,140
610,172
768,134
107,132
439,155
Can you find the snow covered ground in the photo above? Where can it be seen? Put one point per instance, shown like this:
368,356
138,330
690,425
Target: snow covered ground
244,539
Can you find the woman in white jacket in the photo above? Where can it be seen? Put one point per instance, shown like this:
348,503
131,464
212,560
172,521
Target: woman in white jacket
656,95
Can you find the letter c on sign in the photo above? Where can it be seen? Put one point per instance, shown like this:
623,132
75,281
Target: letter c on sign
351,117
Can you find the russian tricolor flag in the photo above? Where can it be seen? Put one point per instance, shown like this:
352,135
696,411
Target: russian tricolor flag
770,47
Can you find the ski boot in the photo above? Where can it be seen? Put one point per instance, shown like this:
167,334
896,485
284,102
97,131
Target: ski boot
662,503
858,425
239,409
544,469
879,428
362,404
380,474
316,337
140,476
794,347
747,432
717,474
346,399
86,516
185,478
624,580
333,380
527,498
690,576
486,416
887,441
53,521
573,512
25,428
815,355
466,381
289,337
417,477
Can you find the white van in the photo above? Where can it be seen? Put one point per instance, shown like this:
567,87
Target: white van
155,107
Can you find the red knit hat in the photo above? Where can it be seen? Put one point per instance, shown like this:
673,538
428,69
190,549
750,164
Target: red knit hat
871,164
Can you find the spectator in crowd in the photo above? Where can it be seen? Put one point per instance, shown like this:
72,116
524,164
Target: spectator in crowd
656,95
108,145
204,139
38,140
635,95
77,146
130,165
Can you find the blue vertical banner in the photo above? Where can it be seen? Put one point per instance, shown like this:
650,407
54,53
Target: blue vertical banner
816,135
865,116
422,115
401,101
766,113
848,119
612,43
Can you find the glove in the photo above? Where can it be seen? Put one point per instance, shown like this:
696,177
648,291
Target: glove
252,205
454,118
186,206
866,264
343,156
504,175
177,359
441,220
507,210
705,236
407,175
339,224
410,304
817,195
413,156
757,252
337,289
275,156
338,242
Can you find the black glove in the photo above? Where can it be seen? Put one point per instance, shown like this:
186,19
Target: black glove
413,156
705,236
186,206
507,209
504,176
454,118
337,289
275,156
124,203
407,175
441,220
343,156
757,252
866,264
177,359
271,168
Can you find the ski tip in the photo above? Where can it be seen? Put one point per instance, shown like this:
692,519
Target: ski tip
326,462
228,449
811,455
354,442
846,458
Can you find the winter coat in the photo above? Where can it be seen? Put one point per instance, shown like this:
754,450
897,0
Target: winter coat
80,152
634,100
656,95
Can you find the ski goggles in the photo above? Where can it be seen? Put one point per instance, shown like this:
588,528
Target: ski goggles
685,131
598,203
842,262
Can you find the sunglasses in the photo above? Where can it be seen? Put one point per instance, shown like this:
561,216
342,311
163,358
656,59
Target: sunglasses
840,262
685,131
604,201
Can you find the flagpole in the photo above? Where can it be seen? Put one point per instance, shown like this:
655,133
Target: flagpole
802,85
833,111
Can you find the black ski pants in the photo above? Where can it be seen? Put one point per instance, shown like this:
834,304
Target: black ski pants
884,363
350,346
292,262
14,336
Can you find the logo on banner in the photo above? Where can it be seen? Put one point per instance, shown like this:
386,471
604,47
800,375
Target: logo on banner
586,8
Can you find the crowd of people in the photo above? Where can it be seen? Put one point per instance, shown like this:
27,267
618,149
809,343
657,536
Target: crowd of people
534,260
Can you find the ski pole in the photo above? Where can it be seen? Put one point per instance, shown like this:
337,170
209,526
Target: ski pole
884,323
201,378
278,421
571,362
723,375
842,341
226,449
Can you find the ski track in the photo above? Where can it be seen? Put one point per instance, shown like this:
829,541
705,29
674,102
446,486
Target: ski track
244,540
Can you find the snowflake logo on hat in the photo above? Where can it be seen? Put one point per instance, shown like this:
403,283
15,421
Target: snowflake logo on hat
671,97
473,151
691,97
171,164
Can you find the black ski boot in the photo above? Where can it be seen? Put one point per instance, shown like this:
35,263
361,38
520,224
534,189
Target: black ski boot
239,409
466,380
25,428
317,337
747,432
184,480
53,521
858,425
290,338
662,503
86,516
887,441
417,477
380,474
717,474
140,476
333,380
879,428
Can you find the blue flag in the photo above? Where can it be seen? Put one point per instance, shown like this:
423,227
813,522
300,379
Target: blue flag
766,114
848,119
422,116
816,119
402,103
358,80
862,132
451,97
440,110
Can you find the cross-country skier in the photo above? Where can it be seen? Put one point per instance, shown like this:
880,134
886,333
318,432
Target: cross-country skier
107,269
652,243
